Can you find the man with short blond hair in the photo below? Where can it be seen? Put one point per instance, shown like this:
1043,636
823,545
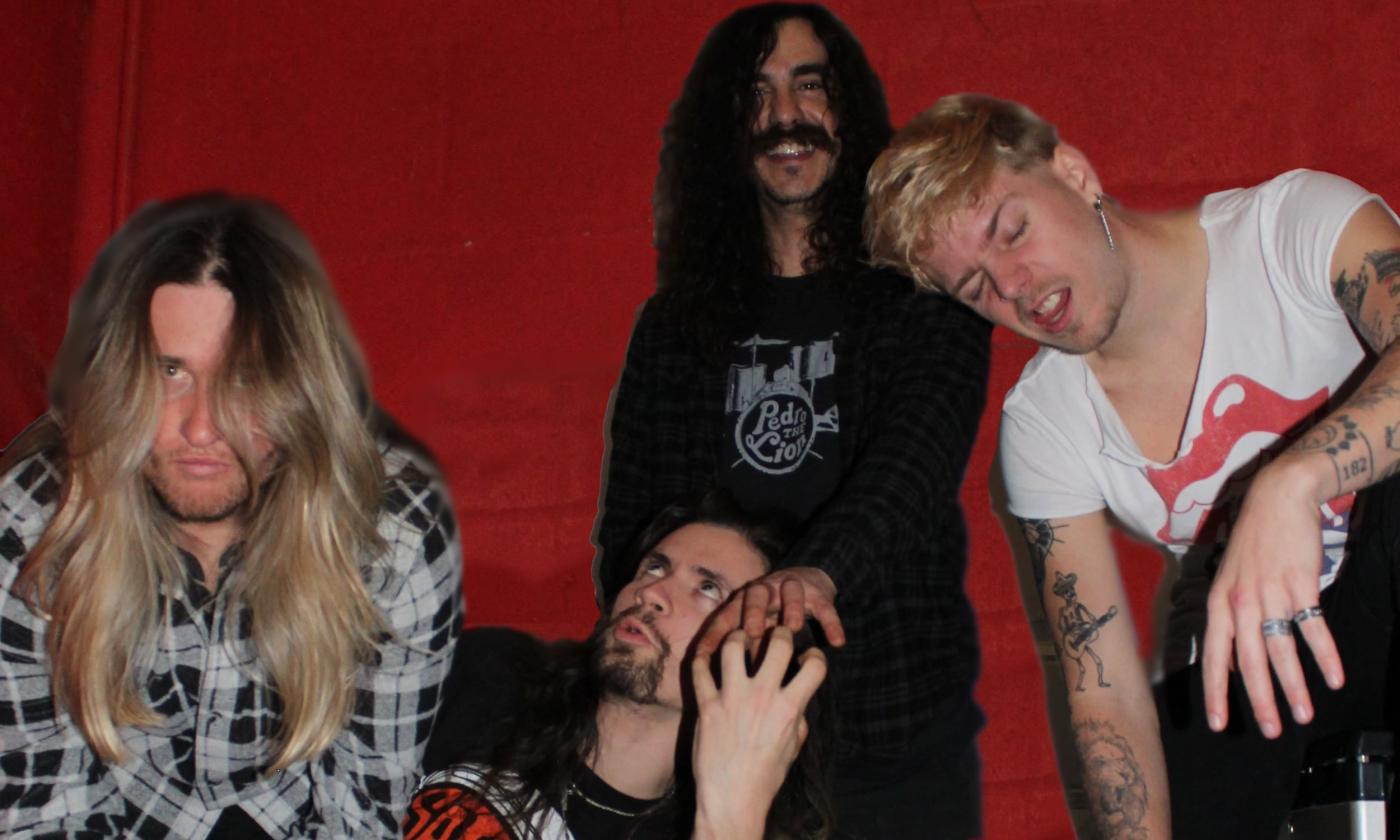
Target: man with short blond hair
1195,384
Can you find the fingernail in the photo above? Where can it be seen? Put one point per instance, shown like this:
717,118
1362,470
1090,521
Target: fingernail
1270,729
1302,713
1216,724
1334,680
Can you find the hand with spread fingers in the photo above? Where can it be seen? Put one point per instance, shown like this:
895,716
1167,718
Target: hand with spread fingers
748,732
1267,587
782,598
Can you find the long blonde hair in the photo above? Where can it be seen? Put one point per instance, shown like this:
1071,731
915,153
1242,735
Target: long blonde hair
99,570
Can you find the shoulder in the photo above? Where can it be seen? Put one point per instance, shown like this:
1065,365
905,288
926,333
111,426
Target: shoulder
1292,197
455,803
885,301
415,496
29,494
417,526
450,804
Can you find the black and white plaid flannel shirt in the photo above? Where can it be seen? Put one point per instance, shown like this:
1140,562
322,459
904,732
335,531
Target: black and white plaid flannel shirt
911,384
219,719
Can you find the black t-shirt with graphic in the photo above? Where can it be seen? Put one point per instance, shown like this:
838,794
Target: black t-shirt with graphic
782,425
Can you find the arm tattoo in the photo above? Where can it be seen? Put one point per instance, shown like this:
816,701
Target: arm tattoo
1345,444
1350,292
1380,269
1386,264
1115,784
1079,627
1374,395
1040,537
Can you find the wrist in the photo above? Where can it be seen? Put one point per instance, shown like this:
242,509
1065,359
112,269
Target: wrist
730,826
1305,476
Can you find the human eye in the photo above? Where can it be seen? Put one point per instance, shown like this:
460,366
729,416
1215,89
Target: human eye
971,290
652,567
712,590
174,379
1015,234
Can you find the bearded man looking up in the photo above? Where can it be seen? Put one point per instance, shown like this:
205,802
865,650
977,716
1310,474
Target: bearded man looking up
227,596
774,362
605,739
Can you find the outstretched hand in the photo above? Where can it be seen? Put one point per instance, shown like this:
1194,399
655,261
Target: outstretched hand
1269,572
748,732
785,597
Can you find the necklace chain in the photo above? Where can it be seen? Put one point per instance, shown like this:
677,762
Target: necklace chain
574,789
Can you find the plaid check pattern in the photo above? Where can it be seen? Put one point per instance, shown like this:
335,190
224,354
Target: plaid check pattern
911,384
219,716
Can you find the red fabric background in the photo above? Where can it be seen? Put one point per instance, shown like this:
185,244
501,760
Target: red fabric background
478,176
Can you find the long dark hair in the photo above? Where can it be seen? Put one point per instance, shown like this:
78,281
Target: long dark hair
555,731
709,234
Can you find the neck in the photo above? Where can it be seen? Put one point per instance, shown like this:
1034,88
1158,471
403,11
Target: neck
1164,257
636,753
208,541
785,228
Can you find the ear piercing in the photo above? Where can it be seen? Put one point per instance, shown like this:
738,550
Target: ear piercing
1108,234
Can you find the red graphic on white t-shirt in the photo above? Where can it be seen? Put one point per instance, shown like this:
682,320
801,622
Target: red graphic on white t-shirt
1237,407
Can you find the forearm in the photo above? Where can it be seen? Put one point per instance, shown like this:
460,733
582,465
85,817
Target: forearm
1112,710
1122,765
1352,448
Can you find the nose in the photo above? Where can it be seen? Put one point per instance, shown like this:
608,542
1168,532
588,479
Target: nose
783,108
652,596
1011,280
197,425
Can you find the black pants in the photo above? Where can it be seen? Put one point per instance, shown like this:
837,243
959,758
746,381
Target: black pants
1239,785
933,793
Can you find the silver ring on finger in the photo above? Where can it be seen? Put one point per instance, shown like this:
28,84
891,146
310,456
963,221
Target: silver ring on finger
1307,613
1276,627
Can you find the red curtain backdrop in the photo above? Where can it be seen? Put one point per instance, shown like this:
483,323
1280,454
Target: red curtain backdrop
477,177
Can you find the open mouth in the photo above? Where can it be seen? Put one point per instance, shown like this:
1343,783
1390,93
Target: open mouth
790,150
634,631
1052,313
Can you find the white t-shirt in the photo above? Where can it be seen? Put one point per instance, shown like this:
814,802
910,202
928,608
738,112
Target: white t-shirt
1277,349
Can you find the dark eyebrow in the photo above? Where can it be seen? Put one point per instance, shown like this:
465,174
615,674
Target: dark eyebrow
171,360
654,556
817,67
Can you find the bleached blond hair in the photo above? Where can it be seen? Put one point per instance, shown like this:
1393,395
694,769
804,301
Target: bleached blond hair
291,363
941,163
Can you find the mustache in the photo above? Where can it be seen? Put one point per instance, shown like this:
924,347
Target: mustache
642,615
804,134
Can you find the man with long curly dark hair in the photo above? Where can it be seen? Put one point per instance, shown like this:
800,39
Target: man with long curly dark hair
774,361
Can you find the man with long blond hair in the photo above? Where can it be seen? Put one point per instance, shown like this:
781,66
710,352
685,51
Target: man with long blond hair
228,594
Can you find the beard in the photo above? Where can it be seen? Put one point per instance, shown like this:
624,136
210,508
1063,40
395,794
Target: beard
802,134
622,672
187,502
